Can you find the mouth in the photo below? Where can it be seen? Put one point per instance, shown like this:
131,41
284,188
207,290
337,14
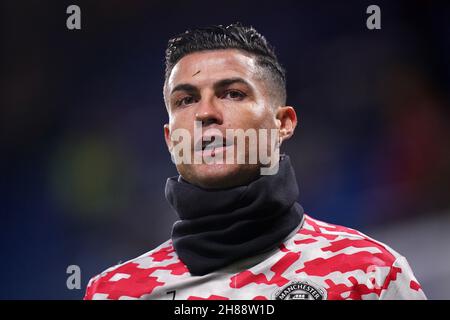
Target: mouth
211,145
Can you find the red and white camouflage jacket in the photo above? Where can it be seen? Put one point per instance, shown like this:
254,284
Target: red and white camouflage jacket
317,261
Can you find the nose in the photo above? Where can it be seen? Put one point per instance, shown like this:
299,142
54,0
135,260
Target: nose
208,112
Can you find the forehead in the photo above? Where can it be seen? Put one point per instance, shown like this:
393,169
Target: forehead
201,68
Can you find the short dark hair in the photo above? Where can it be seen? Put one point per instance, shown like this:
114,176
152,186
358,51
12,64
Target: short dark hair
234,36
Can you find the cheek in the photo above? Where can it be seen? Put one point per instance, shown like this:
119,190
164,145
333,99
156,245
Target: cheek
180,120
253,117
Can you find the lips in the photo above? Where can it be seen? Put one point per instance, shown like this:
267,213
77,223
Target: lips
210,143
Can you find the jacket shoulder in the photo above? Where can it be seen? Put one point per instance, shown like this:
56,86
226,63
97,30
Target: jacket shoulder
133,279
354,265
337,238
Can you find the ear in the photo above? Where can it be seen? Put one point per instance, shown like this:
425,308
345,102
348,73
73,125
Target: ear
287,119
167,137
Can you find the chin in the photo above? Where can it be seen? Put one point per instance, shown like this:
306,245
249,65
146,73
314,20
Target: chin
219,176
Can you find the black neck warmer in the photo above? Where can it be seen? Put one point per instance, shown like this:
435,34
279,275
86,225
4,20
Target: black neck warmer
218,227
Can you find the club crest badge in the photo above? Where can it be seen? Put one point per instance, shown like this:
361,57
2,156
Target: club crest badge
301,290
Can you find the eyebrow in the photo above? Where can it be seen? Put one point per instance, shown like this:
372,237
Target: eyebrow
183,87
227,82
217,85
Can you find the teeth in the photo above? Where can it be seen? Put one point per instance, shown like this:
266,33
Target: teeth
213,144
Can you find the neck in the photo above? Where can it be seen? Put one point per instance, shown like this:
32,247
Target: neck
218,227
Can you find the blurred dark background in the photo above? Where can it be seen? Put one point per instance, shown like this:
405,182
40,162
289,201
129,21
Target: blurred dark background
84,161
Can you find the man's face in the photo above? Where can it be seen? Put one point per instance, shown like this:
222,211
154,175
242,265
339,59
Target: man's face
223,89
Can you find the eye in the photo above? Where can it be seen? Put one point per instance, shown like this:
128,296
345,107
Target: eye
185,101
234,95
